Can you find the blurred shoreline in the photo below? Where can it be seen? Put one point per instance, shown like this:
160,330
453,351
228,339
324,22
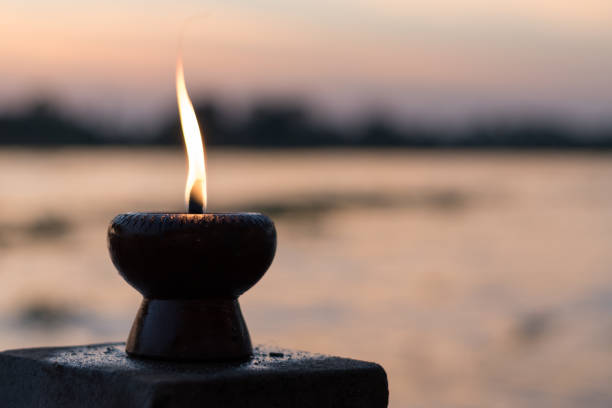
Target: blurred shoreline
293,124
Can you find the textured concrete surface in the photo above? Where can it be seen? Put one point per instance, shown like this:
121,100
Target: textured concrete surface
102,375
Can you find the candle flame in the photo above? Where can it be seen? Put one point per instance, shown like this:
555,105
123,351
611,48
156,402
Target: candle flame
195,188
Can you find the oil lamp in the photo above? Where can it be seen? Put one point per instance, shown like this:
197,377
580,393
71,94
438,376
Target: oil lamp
191,267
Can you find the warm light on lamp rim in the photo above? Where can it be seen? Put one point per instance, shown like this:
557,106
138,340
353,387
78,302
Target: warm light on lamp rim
195,187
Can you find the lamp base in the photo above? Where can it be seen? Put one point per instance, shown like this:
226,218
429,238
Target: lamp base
200,329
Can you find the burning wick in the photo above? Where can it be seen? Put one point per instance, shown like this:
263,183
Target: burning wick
195,187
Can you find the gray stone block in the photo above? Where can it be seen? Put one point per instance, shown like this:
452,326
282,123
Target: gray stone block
102,375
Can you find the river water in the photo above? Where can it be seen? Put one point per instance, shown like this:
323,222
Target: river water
476,279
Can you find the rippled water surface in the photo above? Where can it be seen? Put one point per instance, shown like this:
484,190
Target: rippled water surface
475,279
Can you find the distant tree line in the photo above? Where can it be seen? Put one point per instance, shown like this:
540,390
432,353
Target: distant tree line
270,124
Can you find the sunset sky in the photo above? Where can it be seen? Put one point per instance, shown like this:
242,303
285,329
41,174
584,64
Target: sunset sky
436,60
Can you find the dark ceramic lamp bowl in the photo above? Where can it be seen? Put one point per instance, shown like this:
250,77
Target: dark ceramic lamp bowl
191,269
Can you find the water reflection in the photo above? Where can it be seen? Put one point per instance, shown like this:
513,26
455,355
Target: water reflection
475,279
